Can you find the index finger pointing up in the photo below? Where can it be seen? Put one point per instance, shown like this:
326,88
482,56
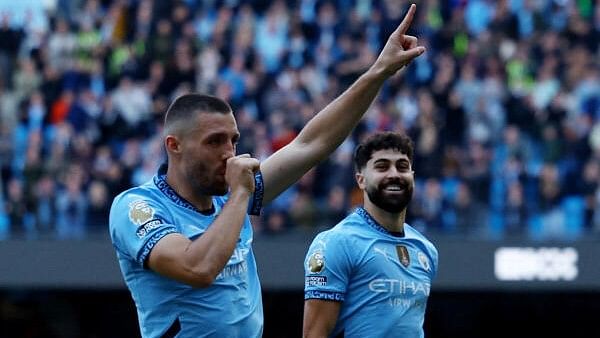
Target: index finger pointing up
403,27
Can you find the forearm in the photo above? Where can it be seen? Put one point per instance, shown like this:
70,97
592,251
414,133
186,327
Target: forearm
209,253
331,126
321,135
328,129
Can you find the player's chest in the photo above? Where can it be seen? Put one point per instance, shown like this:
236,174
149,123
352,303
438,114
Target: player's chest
400,263
192,224
394,276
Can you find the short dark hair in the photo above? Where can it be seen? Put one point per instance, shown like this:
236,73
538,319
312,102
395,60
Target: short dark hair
382,141
186,106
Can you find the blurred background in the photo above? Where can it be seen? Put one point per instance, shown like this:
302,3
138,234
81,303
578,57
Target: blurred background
504,109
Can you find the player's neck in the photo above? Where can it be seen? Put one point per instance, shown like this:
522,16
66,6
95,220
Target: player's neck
393,222
185,190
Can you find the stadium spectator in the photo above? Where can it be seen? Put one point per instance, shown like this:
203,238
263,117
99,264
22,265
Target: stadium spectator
527,66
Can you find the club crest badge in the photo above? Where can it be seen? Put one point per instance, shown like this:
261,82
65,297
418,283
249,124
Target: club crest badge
316,262
140,212
403,255
424,261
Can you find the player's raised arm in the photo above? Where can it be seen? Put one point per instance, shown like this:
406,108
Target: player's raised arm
327,130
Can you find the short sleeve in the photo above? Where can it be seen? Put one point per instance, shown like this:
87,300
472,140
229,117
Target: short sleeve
327,268
137,223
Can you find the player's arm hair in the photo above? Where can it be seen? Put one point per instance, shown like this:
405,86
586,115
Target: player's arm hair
320,317
198,262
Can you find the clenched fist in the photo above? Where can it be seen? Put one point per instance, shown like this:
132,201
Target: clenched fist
240,171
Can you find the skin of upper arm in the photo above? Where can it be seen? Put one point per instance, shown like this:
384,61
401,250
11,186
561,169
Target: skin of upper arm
167,258
286,166
320,317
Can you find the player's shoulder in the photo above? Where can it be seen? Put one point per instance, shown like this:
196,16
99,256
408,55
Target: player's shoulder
416,234
144,191
352,226
343,231
139,197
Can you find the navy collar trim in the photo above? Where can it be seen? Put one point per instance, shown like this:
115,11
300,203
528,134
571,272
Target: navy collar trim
160,180
374,224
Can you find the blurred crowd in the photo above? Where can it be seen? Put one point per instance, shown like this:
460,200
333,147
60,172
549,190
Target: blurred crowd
504,107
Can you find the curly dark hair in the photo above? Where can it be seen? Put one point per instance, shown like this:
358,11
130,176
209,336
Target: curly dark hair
381,141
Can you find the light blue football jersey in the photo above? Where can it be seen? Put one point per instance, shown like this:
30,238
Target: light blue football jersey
230,307
382,280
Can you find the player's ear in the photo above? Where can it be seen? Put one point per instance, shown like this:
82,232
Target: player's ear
360,180
172,144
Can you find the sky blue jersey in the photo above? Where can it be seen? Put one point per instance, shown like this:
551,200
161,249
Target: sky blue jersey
230,307
381,279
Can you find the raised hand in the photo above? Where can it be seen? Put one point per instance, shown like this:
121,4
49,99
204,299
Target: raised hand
240,171
400,48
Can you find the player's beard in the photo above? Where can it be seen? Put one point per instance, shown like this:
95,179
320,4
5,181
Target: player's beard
391,204
203,182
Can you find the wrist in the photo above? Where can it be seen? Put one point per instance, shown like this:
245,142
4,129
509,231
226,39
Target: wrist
240,193
379,73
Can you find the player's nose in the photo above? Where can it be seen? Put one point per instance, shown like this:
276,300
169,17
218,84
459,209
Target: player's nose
393,172
229,151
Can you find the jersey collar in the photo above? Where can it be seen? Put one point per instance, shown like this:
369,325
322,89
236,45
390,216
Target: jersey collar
160,180
374,224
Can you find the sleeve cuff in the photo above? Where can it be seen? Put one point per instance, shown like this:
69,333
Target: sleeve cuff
255,205
150,243
324,295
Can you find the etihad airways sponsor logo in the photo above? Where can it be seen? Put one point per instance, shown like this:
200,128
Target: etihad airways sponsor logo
239,254
405,303
233,270
399,286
